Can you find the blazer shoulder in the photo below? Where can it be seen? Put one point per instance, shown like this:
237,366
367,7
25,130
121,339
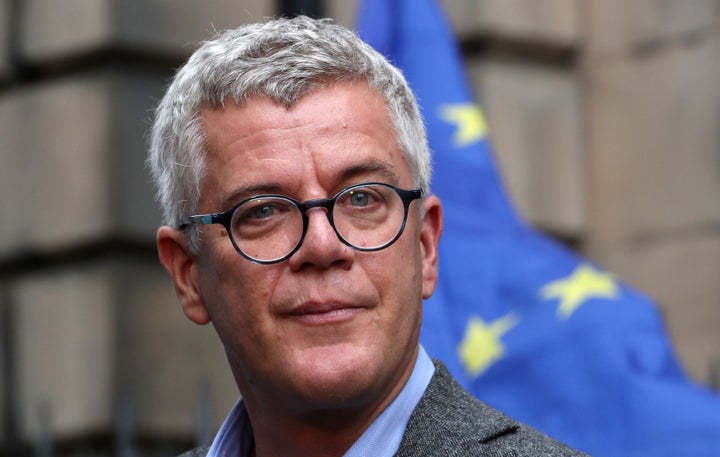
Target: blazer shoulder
449,421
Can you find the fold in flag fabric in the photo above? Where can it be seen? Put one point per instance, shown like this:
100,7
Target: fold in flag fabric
525,324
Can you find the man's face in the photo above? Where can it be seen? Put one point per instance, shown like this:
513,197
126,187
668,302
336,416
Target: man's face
330,327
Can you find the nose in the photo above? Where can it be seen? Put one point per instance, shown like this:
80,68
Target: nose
321,247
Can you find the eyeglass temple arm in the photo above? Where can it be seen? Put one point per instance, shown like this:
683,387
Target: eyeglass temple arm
198,219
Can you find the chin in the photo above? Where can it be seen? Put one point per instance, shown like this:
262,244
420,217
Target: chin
340,374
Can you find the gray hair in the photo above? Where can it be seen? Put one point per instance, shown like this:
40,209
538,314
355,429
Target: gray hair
282,59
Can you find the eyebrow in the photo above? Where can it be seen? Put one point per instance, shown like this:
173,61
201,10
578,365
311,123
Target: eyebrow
374,167
385,171
244,192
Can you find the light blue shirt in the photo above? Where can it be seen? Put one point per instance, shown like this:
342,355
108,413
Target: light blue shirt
381,439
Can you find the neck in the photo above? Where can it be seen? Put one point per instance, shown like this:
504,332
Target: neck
321,433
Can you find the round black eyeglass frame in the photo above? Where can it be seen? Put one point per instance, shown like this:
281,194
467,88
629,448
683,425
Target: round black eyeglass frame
225,218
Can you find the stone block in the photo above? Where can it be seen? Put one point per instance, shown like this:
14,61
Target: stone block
57,30
555,22
618,24
535,118
344,12
171,25
107,340
681,273
73,161
66,336
53,180
653,143
133,97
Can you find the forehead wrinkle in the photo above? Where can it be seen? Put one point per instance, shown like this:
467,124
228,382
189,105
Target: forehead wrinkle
385,170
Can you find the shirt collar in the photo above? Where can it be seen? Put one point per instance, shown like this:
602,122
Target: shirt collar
235,437
381,439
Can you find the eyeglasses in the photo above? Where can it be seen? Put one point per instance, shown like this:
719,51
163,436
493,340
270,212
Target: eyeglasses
270,228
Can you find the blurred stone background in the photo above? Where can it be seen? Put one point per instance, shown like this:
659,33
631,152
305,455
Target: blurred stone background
604,114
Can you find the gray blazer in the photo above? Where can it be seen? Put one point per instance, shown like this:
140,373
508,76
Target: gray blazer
449,422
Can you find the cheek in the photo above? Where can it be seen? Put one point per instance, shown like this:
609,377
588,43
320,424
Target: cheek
241,318
397,275
234,291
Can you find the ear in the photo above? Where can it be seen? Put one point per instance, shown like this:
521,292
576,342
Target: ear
181,264
430,232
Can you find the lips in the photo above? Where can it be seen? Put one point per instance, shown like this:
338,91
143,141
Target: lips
323,313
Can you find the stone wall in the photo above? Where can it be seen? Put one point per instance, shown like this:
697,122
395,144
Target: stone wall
604,118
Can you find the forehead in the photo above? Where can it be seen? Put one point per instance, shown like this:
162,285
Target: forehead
325,137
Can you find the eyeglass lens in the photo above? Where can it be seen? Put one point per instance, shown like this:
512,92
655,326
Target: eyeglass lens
365,217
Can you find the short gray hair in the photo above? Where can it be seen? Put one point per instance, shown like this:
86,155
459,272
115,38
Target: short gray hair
282,59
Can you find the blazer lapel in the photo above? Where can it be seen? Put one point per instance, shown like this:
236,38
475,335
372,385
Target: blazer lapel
448,421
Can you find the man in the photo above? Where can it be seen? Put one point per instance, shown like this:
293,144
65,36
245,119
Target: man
293,171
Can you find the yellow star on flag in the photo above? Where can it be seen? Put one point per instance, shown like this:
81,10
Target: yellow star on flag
583,284
470,122
482,345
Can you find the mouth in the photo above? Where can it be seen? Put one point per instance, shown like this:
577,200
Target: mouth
324,313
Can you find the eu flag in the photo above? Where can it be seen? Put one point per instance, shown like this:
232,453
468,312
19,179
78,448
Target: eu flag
525,324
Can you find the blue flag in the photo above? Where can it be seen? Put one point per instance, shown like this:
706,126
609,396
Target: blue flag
526,325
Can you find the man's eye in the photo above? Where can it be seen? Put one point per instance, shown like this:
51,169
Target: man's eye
254,212
262,212
359,198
